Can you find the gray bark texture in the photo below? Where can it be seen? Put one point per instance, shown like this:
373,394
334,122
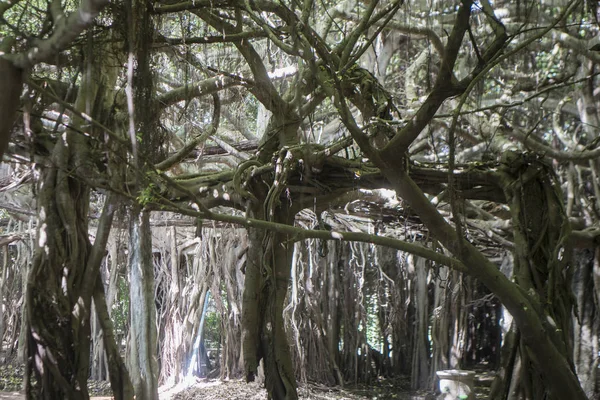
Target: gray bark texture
143,362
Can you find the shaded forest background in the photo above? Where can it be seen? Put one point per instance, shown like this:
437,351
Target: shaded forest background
324,192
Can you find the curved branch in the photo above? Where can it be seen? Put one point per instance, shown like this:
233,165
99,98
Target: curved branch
582,155
225,38
65,32
298,234
443,89
579,46
205,87
188,148
588,238
402,28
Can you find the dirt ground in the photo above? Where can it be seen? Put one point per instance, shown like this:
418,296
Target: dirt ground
19,396
239,390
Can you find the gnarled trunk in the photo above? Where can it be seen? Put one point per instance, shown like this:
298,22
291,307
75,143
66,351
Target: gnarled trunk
541,260
548,359
265,289
58,309
65,267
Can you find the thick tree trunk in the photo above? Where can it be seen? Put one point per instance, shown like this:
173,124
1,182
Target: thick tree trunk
541,259
65,266
267,279
98,362
587,323
11,86
58,311
555,368
250,305
143,334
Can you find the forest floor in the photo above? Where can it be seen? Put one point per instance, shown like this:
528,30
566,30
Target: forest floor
239,390
202,389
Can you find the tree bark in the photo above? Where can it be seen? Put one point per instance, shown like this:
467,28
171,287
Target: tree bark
542,257
120,382
508,357
11,86
420,363
333,316
587,324
58,312
65,265
552,364
3,273
143,332
267,278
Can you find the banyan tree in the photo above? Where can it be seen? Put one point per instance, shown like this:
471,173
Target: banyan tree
317,191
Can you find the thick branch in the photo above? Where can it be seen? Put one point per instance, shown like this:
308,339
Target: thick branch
64,33
443,89
203,88
585,239
225,38
523,307
402,28
582,154
298,234
189,5
188,148
580,46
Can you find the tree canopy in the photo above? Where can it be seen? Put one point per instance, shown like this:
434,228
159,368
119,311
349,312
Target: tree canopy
455,127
